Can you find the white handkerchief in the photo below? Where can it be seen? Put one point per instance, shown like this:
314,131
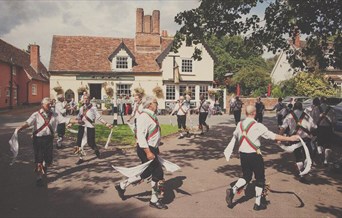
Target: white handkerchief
169,166
132,171
307,160
14,145
108,139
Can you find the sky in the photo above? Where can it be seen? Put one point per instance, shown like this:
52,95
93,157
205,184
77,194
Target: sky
36,21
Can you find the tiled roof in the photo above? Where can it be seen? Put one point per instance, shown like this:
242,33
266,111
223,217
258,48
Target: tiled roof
22,59
90,54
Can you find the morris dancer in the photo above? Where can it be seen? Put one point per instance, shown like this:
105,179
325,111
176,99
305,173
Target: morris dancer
181,109
44,123
203,109
278,107
137,109
60,109
249,132
88,114
325,130
299,123
148,136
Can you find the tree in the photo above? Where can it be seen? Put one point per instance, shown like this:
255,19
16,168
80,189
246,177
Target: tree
233,54
319,20
305,84
253,80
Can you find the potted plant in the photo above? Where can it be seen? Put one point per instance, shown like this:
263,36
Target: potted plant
158,92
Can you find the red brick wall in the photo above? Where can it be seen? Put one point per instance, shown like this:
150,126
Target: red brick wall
269,102
42,91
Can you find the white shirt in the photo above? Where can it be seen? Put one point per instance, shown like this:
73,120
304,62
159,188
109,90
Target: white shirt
60,110
37,120
307,123
137,109
255,132
203,106
145,124
182,108
314,112
329,117
89,112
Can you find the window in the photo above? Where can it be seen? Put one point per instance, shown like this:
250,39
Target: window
121,62
170,92
14,93
185,89
123,89
187,65
14,71
34,89
204,91
7,92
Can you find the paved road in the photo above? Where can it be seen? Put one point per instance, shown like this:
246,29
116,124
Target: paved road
197,190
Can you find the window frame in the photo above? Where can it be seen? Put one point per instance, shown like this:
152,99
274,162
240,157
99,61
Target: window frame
127,90
121,64
170,88
187,66
34,89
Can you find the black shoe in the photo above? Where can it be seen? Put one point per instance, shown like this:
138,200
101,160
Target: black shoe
202,133
158,205
121,192
39,182
59,147
80,161
303,180
229,197
259,207
97,153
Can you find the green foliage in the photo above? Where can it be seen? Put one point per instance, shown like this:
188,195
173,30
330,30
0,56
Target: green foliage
122,134
253,81
313,85
233,54
277,92
317,20
305,84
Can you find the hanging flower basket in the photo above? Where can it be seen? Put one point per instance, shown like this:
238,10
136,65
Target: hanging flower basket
109,91
139,91
212,92
58,89
81,89
158,92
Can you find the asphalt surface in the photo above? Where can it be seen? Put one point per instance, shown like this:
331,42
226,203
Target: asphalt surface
197,190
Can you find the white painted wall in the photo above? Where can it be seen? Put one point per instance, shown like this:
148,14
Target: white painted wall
122,53
282,69
202,70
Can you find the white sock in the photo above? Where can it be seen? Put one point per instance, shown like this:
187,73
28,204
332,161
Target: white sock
154,196
241,182
319,149
327,155
258,191
124,184
300,165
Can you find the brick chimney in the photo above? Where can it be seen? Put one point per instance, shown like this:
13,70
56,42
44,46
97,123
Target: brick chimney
147,34
34,56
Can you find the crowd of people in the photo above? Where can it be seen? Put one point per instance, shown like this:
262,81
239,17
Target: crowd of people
293,123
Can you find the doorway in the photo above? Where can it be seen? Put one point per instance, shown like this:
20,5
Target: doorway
95,91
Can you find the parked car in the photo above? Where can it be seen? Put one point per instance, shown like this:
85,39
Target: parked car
289,99
332,101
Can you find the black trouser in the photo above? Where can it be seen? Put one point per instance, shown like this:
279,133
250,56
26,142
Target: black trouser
155,168
202,117
258,117
237,116
253,163
61,129
42,147
299,153
280,119
325,136
90,137
181,120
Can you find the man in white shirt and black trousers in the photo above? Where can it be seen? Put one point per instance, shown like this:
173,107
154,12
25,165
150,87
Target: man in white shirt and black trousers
203,109
88,114
60,109
181,109
148,136
44,123
248,133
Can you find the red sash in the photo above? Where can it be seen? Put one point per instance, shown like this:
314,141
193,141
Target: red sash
154,131
245,137
84,114
46,124
299,123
